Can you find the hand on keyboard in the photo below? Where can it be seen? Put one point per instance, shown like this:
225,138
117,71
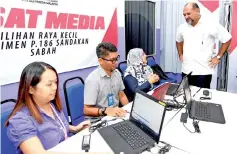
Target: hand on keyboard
115,112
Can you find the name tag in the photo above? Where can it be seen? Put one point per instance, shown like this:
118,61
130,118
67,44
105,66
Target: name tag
110,99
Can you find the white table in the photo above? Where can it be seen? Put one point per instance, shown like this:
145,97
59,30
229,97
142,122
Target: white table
213,139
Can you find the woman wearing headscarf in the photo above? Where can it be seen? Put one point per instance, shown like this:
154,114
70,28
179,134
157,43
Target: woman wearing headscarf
138,74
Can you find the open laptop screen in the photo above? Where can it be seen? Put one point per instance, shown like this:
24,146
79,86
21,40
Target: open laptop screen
187,95
148,113
160,91
182,84
187,92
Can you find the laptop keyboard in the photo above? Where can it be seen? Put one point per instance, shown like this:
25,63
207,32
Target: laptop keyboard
202,110
172,89
130,135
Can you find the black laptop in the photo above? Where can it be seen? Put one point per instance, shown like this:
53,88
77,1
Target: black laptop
203,111
175,88
141,131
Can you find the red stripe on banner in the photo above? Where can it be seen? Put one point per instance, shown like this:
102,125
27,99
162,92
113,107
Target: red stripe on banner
211,5
111,34
233,44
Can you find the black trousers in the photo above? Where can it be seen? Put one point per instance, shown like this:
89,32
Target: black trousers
203,81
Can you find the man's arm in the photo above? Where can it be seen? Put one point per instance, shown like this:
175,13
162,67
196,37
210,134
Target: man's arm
110,111
179,46
215,60
179,43
123,98
91,91
91,110
225,37
224,48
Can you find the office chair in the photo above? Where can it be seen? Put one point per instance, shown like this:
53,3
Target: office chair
122,66
151,60
172,77
6,109
74,97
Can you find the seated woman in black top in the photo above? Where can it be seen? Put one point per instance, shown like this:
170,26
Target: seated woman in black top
138,74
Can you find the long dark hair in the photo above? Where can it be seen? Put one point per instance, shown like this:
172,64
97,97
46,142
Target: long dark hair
30,76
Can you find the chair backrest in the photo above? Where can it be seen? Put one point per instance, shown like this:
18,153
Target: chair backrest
6,144
151,60
74,97
122,66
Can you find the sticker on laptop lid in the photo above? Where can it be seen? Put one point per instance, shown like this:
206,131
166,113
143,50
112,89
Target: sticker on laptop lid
161,103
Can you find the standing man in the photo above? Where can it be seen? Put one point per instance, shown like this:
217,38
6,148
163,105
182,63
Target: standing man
195,42
104,86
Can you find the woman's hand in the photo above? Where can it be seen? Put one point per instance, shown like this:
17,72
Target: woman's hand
83,125
79,127
153,78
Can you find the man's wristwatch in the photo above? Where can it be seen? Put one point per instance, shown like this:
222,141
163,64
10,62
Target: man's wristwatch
103,111
218,57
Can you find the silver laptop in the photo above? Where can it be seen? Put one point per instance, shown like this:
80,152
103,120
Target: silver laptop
176,89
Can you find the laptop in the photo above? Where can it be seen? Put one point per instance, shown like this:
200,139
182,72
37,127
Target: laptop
203,111
160,91
141,131
175,88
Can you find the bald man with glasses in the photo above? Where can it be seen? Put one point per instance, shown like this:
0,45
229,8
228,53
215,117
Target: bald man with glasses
104,86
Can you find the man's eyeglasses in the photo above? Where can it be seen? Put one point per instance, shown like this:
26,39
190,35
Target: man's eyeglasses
114,60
